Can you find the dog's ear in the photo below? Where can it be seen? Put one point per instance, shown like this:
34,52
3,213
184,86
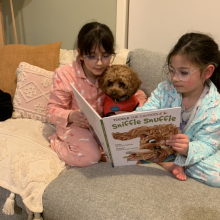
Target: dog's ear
134,83
103,83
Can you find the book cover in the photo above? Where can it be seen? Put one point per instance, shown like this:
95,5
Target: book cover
134,137
140,137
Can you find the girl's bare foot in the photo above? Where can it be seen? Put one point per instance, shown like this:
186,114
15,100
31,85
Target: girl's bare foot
177,171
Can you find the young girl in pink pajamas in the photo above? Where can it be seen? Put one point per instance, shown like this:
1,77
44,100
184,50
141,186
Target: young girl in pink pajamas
73,142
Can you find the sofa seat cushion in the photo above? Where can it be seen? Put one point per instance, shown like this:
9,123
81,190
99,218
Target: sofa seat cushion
127,193
44,56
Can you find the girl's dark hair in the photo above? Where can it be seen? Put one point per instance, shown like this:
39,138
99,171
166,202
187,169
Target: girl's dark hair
95,34
200,50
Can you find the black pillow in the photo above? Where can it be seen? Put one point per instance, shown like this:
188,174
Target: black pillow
6,107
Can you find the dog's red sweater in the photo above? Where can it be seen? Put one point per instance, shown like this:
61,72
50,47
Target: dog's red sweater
110,106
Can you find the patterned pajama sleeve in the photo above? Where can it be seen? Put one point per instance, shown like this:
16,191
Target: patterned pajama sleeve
153,102
58,108
203,144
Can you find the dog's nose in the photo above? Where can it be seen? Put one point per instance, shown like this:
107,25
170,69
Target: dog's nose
114,93
157,147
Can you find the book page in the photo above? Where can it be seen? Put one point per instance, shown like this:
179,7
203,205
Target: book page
95,121
140,137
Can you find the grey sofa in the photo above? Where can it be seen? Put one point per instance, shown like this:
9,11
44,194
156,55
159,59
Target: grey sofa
101,192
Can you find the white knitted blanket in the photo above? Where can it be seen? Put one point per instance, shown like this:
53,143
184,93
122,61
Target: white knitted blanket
27,163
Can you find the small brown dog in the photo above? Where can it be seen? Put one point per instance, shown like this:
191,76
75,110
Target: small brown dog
119,83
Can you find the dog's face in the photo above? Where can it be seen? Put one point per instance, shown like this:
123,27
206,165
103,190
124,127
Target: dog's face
157,146
119,81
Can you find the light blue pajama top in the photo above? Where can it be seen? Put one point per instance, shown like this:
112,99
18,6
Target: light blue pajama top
203,129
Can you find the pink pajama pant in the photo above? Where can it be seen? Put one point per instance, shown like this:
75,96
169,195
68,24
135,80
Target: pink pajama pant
75,146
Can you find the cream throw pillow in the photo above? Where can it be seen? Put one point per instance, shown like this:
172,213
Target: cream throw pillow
32,92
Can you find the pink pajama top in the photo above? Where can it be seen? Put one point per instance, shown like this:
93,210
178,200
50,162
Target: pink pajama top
62,100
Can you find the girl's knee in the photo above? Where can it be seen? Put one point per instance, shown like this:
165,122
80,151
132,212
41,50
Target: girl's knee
87,158
95,156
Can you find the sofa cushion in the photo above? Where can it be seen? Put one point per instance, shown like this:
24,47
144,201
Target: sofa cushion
148,65
32,92
126,193
68,56
44,56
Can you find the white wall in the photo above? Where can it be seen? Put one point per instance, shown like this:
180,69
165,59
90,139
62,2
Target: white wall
48,21
122,24
158,24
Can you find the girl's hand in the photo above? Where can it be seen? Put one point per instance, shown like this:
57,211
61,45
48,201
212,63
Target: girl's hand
78,119
180,143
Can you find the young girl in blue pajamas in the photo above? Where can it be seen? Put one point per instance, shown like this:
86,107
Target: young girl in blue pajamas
193,66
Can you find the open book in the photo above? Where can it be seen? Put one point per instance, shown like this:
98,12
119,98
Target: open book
134,137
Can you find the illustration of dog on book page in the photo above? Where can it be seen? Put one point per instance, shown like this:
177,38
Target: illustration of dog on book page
153,146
